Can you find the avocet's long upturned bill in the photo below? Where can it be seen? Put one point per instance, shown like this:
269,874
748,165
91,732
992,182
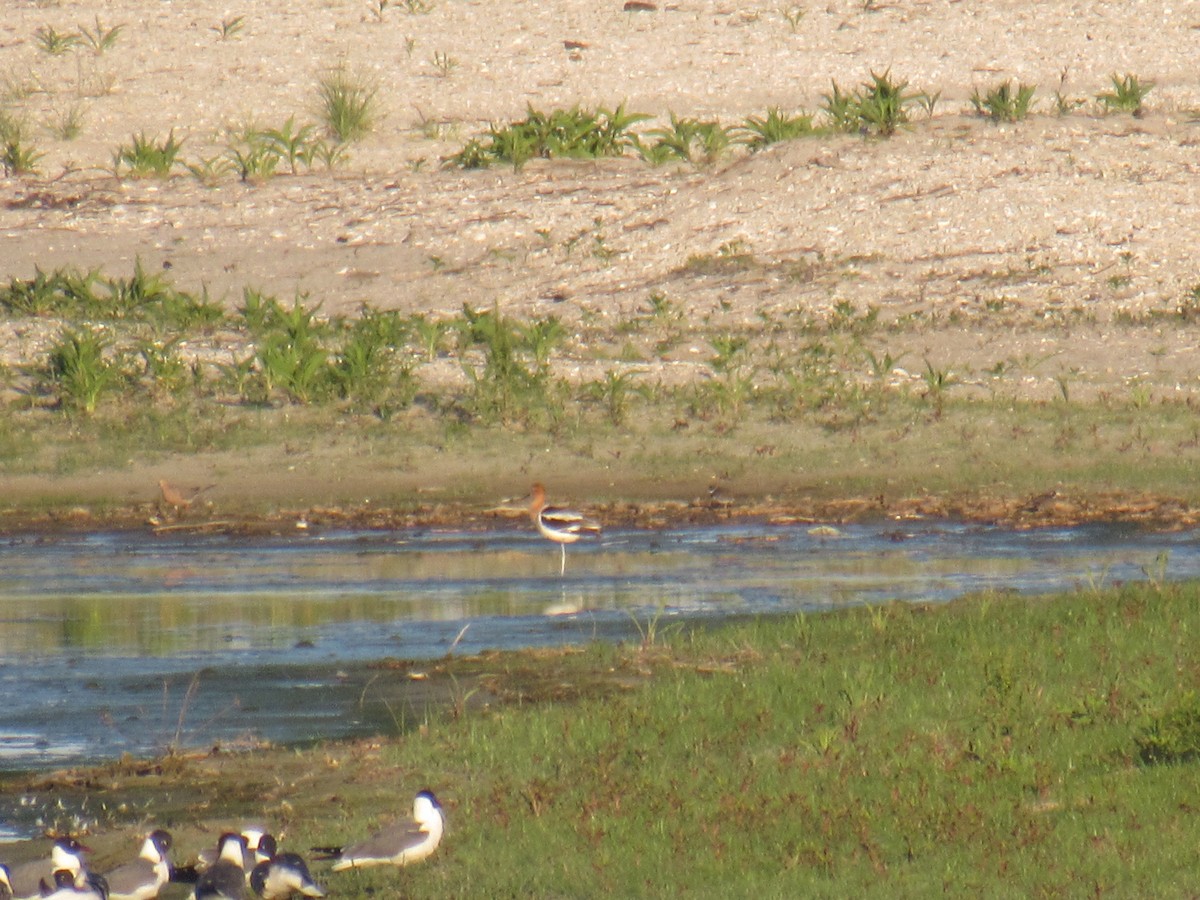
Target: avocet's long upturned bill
408,841
563,526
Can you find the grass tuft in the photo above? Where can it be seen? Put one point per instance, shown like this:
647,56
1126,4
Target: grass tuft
347,104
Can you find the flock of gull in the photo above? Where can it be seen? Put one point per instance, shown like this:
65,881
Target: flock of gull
249,863
242,865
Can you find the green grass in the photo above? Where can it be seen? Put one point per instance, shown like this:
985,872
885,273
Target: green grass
1004,103
1127,94
347,103
985,749
988,747
146,157
774,409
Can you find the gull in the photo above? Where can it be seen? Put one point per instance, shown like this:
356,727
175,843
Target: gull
281,875
563,526
144,877
26,880
226,878
252,835
81,885
408,841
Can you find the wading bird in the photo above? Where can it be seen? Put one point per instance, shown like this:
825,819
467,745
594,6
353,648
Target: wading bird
563,526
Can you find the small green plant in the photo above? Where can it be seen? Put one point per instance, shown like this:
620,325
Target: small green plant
54,42
288,350
1173,734
575,133
210,170
1004,103
147,157
347,103
614,393
1127,94
100,38
937,383
229,28
292,144
506,388
793,15
254,158
1063,103
883,104
430,334
444,64
68,123
758,132
687,140
79,370
19,158
880,106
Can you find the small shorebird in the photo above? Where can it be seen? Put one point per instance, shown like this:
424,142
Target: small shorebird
563,526
5,883
281,875
408,841
26,880
179,499
226,878
144,877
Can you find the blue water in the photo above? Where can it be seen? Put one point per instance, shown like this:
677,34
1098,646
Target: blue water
130,642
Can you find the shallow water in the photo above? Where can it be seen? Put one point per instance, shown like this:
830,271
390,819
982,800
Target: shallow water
130,642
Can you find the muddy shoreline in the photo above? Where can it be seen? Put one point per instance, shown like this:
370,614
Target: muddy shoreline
1048,509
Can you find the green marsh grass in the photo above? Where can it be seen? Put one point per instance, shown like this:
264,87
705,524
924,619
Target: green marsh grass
985,748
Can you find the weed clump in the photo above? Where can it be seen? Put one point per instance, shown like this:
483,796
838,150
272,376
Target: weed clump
574,133
1173,735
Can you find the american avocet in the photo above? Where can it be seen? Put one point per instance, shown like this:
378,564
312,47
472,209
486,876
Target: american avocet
408,841
144,877
563,526
281,875
226,878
